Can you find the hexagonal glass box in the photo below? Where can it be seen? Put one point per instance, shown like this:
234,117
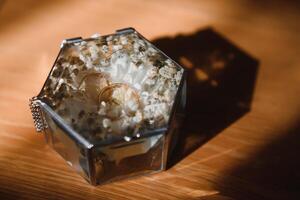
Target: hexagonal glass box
111,106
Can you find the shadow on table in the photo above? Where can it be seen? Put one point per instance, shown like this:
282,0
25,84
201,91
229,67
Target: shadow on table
270,173
221,80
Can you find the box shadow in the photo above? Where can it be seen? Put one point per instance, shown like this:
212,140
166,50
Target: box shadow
220,85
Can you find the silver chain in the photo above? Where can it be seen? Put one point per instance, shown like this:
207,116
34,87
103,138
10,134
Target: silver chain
38,118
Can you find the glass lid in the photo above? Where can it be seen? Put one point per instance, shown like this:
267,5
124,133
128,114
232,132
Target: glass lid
114,85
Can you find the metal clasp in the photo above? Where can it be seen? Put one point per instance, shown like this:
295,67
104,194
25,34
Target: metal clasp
37,115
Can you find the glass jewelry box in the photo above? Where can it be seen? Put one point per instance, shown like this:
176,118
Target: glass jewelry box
111,106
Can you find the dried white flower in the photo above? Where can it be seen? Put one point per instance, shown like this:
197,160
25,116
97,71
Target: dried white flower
167,72
117,47
105,48
106,122
109,38
96,35
123,40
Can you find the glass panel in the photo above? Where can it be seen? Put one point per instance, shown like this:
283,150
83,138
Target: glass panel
75,155
127,159
176,122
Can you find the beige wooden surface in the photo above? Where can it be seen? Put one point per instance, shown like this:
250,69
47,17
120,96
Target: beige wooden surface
255,157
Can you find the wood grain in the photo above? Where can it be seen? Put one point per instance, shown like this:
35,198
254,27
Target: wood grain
255,156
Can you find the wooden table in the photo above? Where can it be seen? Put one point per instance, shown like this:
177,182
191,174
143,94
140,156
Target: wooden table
228,149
